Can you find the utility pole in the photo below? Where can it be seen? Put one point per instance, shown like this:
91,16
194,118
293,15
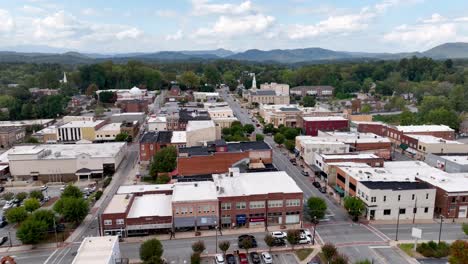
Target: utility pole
440,229
315,227
414,209
397,224
216,230
55,231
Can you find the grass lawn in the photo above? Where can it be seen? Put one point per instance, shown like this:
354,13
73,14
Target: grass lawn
408,249
303,253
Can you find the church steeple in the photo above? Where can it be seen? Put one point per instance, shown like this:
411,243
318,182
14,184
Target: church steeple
254,83
64,77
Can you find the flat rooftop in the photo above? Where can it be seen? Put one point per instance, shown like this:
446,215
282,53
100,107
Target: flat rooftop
450,182
130,189
350,156
428,139
395,185
97,250
346,137
194,191
255,183
26,122
118,204
324,118
151,205
459,159
193,125
179,137
110,127
424,128
231,147
82,124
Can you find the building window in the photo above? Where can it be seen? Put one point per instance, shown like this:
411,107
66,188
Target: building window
427,196
183,210
373,199
119,221
454,199
399,197
257,204
275,203
293,202
385,198
107,222
387,212
415,210
151,147
464,199
412,197
402,211
225,206
426,210
241,205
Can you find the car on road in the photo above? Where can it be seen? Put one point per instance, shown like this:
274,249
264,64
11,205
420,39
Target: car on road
305,173
3,240
255,258
230,259
242,237
243,258
44,187
267,258
316,184
278,234
219,259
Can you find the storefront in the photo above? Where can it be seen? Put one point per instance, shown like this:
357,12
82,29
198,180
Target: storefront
256,221
241,220
275,218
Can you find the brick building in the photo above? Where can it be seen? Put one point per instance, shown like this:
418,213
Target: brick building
11,135
153,141
311,125
319,91
399,134
179,120
221,156
133,105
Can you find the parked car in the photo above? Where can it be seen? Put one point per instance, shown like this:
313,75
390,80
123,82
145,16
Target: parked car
2,189
305,173
279,242
243,258
317,184
242,237
44,187
230,259
267,258
304,239
3,240
255,258
219,259
8,205
3,221
278,234
306,232
323,189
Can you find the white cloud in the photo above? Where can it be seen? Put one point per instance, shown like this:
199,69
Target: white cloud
7,23
235,26
178,35
384,5
32,9
131,33
205,7
166,13
89,12
461,19
435,18
423,35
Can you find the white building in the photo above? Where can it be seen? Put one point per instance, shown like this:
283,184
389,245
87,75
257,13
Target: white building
157,123
108,131
200,132
220,112
279,88
98,250
78,130
65,162
205,96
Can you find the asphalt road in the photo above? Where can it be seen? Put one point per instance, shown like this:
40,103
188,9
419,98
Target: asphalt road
450,231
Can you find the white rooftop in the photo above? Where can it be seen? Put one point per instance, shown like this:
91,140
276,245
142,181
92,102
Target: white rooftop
194,191
66,151
350,156
255,183
428,139
97,250
450,182
157,119
110,127
324,118
118,204
151,205
129,189
26,122
206,93
193,125
345,137
462,160
83,123
47,130
179,137
423,128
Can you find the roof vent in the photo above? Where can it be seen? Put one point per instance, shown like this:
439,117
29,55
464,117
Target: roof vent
196,184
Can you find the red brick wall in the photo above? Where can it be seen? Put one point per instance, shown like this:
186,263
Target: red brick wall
377,129
372,146
311,128
441,134
371,162
146,153
216,163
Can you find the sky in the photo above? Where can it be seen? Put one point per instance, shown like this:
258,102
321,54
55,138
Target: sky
124,26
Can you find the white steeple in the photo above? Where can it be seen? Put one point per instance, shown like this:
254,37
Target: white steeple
64,77
254,83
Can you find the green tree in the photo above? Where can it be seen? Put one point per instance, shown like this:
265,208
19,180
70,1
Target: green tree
366,261
339,259
163,179
316,207
195,258
31,204
32,231
189,79
279,138
32,140
442,116
407,118
164,160
290,133
198,246
72,209
289,144
259,137
151,251
21,196
224,246
230,80
248,128
465,228
366,108
71,191
44,215
107,97
16,214
36,194
8,196
91,90
212,75
293,237
269,241
308,101
329,251
459,252
458,98
226,131
367,84
247,244
430,103
121,137
354,206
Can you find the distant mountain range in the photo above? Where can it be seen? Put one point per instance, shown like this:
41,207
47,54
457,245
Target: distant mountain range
308,55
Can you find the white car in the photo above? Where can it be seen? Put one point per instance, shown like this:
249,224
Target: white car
219,259
306,232
305,239
279,234
267,258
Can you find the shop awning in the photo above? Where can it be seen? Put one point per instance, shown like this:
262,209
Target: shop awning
403,146
339,190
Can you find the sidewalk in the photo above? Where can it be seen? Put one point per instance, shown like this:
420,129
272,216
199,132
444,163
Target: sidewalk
27,248
209,233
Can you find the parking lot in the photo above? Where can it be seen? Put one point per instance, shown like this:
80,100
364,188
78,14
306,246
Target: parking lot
278,258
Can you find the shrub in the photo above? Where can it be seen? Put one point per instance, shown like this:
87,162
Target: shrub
329,251
16,215
198,247
21,196
433,250
151,251
106,182
31,204
195,258
36,194
8,196
98,195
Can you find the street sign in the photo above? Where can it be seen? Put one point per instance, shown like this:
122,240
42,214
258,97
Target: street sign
416,233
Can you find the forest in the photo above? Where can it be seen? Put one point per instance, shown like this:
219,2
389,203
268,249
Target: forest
441,85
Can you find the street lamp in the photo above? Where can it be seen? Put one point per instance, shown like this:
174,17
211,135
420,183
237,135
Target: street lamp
440,229
315,226
397,224
216,241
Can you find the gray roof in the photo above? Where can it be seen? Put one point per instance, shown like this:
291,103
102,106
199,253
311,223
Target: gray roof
263,92
313,87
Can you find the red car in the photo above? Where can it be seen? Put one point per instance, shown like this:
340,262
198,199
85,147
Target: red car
243,258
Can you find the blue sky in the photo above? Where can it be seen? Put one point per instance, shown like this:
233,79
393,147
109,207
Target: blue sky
146,26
